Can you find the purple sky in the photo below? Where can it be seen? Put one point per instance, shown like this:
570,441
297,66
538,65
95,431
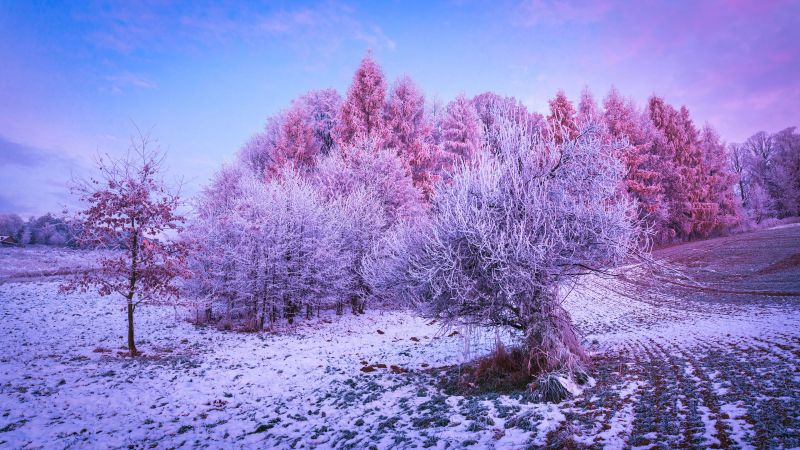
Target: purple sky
204,76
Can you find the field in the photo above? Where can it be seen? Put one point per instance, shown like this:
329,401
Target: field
712,365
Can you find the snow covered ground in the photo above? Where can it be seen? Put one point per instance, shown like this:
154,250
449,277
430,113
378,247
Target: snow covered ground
40,261
674,370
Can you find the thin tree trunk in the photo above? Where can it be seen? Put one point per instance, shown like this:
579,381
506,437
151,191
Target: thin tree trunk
132,289
131,341
741,192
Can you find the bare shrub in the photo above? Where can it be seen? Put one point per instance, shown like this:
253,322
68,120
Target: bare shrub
507,235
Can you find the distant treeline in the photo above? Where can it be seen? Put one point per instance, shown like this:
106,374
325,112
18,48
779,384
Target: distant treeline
44,230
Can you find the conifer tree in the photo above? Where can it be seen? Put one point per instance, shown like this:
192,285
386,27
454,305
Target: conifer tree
361,115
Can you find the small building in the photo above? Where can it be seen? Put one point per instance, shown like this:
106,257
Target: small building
7,240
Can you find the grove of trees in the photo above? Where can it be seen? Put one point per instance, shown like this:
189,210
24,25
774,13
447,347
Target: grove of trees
767,172
43,230
477,212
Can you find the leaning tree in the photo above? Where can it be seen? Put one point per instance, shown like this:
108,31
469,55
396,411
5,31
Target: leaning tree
130,213
508,234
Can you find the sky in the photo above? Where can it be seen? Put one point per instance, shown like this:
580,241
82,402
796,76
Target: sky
78,78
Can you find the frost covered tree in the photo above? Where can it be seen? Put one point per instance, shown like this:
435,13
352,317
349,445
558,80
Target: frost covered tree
289,256
322,108
380,172
51,230
588,111
698,185
761,149
130,209
374,192
785,186
258,154
490,106
507,236
361,223
213,239
486,106
296,143
297,136
268,251
12,225
755,161
409,133
682,176
562,118
738,166
770,168
361,114
643,177
461,132
716,188
435,113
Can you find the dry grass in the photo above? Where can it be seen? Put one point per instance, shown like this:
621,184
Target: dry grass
502,371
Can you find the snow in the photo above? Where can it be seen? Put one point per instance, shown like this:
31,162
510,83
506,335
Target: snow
574,388
64,384
199,383
37,261
741,429
621,423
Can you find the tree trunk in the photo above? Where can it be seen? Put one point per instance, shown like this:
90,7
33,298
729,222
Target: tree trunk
273,314
741,192
551,340
354,305
131,342
132,288
289,311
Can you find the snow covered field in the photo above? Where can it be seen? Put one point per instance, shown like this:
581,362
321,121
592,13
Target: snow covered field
38,262
673,368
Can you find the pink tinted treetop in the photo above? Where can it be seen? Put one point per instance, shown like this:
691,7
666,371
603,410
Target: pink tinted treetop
562,118
361,114
461,130
409,133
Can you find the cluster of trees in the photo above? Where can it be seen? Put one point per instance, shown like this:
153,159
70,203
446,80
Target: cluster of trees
678,174
295,223
479,212
286,242
767,168
44,230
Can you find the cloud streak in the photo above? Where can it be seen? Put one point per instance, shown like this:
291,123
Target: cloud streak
125,81
24,155
141,27
35,180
